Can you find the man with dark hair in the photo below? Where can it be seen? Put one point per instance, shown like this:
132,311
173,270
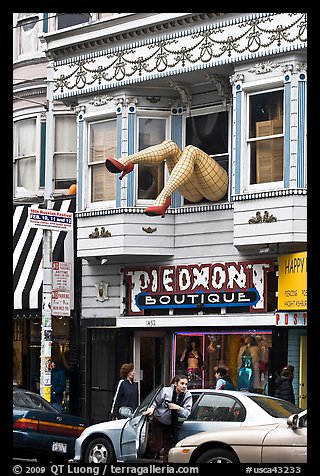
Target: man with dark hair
283,385
169,404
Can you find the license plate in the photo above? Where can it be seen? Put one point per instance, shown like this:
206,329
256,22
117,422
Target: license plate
60,447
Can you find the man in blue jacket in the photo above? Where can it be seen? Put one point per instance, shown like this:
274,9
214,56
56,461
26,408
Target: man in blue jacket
58,385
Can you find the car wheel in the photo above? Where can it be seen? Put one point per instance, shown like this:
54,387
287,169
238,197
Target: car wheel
99,451
218,455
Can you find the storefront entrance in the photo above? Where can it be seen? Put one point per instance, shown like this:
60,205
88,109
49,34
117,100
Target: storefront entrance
149,357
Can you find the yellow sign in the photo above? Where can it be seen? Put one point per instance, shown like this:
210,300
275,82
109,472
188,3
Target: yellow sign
47,393
292,288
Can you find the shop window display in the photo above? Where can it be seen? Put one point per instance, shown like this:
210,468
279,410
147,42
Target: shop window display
244,356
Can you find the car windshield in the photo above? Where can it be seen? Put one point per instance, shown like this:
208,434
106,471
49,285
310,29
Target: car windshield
33,401
276,407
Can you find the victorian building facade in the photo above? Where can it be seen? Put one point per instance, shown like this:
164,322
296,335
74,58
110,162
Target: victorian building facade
220,273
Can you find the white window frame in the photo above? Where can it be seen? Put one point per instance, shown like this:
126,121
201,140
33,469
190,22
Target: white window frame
150,115
17,158
246,159
57,153
89,120
18,22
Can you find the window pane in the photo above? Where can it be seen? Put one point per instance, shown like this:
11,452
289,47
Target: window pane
25,137
266,114
65,157
150,177
208,132
102,145
103,184
26,176
28,36
65,134
69,19
266,161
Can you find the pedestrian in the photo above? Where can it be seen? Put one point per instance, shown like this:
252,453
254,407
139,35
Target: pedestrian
283,385
171,402
58,384
223,381
126,394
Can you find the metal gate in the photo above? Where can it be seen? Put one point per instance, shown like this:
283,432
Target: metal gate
102,373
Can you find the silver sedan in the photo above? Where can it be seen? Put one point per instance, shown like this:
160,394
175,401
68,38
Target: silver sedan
127,439
273,443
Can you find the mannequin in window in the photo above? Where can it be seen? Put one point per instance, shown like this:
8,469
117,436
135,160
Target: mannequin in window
193,172
248,365
191,359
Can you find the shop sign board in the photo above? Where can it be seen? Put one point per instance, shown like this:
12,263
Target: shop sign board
291,319
49,219
292,288
242,283
60,303
61,275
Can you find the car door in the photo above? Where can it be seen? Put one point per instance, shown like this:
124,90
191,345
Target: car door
286,444
134,436
213,412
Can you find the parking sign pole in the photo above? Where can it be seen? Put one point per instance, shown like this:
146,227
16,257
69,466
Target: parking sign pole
46,323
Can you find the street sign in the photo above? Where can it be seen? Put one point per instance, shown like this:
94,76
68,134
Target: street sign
49,219
60,303
61,275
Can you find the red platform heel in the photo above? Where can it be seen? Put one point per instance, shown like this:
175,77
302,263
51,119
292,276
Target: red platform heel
115,167
155,210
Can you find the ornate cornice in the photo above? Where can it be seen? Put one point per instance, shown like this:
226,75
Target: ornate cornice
228,41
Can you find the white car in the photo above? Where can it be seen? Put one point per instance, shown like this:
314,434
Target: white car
126,439
272,443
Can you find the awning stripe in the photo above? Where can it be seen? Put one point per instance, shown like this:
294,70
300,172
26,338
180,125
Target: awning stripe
27,255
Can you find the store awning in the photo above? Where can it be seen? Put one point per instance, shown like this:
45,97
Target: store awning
27,254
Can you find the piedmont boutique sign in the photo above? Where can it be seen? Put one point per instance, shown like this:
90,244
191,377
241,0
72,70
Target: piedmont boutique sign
242,283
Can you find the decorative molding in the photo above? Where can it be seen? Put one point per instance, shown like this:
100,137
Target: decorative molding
266,218
149,229
103,233
248,37
223,86
184,92
101,100
153,99
102,291
171,211
264,67
269,194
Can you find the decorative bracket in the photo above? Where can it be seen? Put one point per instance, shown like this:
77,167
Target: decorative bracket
266,218
149,229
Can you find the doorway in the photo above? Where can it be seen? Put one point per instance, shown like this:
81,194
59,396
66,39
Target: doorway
150,362
303,389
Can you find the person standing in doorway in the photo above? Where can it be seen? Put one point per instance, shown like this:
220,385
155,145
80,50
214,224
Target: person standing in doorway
126,394
169,404
58,384
283,385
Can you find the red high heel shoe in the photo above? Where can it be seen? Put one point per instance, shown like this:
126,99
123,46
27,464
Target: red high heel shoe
115,167
155,210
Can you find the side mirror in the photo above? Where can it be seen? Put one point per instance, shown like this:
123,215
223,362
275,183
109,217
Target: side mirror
126,412
293,421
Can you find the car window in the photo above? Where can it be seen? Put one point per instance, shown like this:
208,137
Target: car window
276,407
218,408
31,400
147,401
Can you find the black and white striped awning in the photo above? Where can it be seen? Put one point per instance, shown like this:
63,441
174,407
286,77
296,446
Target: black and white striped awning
27,254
